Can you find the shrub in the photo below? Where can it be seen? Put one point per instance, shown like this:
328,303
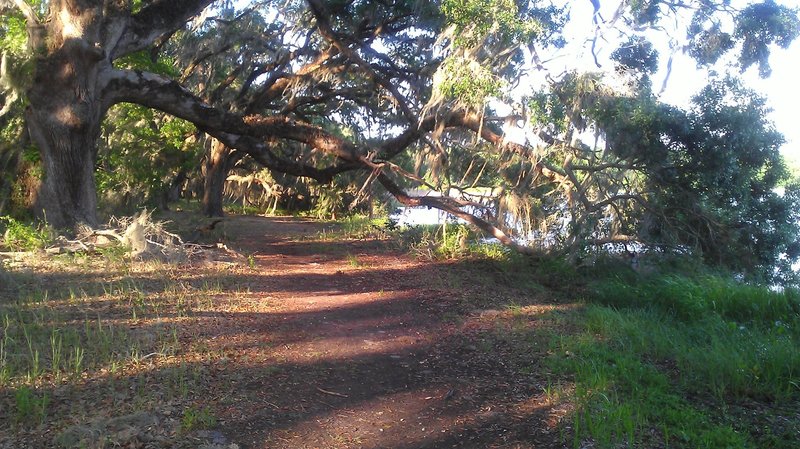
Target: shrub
21,236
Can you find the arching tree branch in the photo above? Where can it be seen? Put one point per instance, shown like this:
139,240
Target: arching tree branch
159,18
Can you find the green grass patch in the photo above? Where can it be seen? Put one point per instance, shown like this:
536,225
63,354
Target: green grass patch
360,227
65,336
660,362
694,299
38,342
17,235
195,418
353,261
31,408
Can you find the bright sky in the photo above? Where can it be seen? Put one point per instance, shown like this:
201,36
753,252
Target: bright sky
783,93
780,89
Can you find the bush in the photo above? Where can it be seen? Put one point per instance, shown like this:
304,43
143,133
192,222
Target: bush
21,236
449,241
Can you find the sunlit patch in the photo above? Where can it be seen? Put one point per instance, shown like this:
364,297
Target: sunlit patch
70,27
350,353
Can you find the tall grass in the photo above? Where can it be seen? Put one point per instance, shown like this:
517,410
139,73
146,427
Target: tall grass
694,299
38,343
44,337
711,355
624,401
657,360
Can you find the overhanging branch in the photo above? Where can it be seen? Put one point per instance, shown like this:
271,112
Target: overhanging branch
158,18
452,207
321,14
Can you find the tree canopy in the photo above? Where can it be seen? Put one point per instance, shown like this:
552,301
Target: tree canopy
466,98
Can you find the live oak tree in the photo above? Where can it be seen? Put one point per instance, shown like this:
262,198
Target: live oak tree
403,93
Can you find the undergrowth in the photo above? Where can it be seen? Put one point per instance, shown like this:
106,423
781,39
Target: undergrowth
669,361
17,235
664,360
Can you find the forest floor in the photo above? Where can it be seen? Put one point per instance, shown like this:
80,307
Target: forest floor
305,339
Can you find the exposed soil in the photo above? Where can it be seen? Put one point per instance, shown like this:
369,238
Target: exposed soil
364,347
315,343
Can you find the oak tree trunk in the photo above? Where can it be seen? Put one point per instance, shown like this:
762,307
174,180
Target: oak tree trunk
65,112
67,195
216,174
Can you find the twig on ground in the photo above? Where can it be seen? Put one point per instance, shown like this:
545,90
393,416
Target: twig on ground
332,393
152,354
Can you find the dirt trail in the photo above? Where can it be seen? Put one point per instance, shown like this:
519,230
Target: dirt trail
295,340
356,345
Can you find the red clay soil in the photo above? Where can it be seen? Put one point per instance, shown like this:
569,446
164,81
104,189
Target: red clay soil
364,347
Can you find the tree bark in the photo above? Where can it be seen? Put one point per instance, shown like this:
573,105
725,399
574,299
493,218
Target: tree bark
65,112
216,173
69,95
67,195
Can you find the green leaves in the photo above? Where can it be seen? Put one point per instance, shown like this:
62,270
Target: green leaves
476,19
141,60
761,25
13,35
142,150
709,45
727,167
484,41
545,109
637,54
467,81
645,11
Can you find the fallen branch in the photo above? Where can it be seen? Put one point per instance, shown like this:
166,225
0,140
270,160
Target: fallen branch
107,233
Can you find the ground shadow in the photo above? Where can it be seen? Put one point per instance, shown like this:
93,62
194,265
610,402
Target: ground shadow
311,349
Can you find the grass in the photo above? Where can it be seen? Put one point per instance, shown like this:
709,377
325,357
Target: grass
663,362
21,236
358,227
694,299
116,334
31,408
353,261
47,337
195,418
97,320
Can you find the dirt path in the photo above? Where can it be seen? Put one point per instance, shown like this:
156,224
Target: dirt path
355,345
305,341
